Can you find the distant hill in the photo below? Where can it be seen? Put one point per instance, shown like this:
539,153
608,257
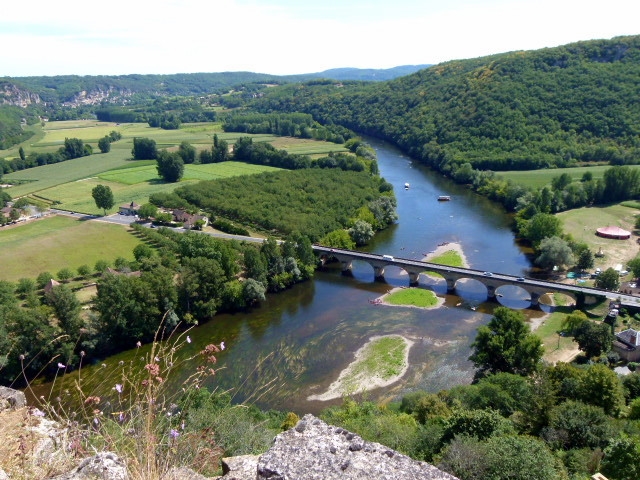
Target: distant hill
514,111
370,74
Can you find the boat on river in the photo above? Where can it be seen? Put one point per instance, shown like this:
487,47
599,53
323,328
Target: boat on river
444,198
406,186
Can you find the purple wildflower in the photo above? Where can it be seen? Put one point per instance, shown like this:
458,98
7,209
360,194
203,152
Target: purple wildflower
221,345
61,365
173,433
138,344
118,387
188,339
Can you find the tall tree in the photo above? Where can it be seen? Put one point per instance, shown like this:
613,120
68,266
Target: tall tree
144,149
170,166
103,197
609,280
104,144
554,251
505,344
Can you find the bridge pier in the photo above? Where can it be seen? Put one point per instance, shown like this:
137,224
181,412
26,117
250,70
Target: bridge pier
535,299
347,266
451,285
414,278
378,272
491,292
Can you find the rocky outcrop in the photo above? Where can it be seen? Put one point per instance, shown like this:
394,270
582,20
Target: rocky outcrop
313,450
10,398
11,94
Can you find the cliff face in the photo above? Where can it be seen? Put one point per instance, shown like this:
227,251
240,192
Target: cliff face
11,94
312,450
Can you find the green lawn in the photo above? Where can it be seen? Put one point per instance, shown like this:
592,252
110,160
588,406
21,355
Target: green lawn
53,243
416,297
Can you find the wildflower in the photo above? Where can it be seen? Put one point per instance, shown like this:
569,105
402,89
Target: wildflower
188,339
153,369
118,388
37,412
92,400
221,345
182,425
21,357
138,344
156,359
82,354
173,433
121,362
61,365
104,365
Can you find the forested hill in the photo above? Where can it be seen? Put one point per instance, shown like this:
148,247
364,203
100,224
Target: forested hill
519,110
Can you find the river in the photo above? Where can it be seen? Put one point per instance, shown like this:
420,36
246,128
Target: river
298,341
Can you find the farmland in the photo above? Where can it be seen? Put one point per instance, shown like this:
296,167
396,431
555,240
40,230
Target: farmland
540,178
57,242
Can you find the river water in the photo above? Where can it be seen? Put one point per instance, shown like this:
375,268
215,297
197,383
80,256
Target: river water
298,341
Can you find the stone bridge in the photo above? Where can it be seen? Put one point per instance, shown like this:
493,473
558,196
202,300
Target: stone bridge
491,280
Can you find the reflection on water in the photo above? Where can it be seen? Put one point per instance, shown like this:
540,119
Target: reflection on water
298,341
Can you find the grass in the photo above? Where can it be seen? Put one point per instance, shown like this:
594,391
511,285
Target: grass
57,242
451,258
383,357
416,297
553,343
540,178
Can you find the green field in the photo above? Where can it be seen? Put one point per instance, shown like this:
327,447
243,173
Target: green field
57,242
540,178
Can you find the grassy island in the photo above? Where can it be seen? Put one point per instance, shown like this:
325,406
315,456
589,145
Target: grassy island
414,297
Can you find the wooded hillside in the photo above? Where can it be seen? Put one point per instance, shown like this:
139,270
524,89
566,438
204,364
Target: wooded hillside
519,110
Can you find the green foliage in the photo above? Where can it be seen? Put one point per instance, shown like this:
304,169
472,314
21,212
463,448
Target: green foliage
576,425
280,200
339,239
505,344
622,459
103,197
541,226
594,339
170,166
554,251
144,149
361,232
104,144
609,280
511,457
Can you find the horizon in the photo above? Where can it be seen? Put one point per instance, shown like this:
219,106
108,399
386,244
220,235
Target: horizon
287,37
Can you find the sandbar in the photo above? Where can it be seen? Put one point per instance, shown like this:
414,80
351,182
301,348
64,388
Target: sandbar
348,384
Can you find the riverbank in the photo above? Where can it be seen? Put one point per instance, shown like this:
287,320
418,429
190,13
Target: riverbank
369,370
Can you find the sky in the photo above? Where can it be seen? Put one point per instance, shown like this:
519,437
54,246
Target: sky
281,37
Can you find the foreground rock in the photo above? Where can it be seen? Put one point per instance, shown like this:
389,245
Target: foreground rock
314,450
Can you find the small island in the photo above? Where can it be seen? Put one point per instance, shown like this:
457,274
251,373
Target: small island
379,363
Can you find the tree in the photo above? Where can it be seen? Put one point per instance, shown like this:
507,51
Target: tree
634,266
602,387
64,274
187,152
622,458
253,291
66,308
608,280
103,197
505,344
554,251
573,321
144,149
361,232
593,339
170,166
577,425
585,259
541,226
104,144
84,270
338,239
147,211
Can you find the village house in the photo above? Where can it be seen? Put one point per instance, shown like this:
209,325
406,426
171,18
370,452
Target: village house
627,345
129,209
188,220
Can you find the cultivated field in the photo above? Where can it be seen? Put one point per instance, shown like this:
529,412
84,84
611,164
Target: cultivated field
58,242
53,243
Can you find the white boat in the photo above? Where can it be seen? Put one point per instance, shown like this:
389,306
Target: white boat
444,198
406,186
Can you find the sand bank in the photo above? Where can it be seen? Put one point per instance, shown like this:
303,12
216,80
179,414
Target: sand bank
349,382
445,247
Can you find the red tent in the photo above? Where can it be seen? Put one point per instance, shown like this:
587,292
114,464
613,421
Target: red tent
613,232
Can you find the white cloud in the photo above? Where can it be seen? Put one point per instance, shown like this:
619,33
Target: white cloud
288,36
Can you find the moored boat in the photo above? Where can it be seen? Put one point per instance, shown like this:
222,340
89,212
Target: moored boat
444,198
